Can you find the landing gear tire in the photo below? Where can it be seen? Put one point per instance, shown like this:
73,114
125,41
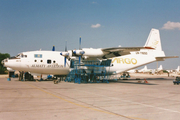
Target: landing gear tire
55,81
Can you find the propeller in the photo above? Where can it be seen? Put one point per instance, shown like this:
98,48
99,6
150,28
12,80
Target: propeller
82,52
65,56
80,43
77,53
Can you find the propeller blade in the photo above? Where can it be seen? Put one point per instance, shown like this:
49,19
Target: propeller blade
66,46
64,61
80,49
80,43
65,56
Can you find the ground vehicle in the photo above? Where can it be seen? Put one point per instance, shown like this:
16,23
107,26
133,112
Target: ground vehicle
176,81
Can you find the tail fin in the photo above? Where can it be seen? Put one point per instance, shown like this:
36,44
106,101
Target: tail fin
160,67
154,40
177,70
145,68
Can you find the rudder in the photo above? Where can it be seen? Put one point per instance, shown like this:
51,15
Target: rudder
154,40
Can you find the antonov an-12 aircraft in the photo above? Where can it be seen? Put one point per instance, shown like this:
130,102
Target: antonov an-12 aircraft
58,63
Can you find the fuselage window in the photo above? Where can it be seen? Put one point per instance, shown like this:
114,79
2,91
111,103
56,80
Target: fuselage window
54,61
25,55
49,61
35,60
41,60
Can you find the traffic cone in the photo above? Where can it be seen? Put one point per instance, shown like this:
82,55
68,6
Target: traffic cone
145,81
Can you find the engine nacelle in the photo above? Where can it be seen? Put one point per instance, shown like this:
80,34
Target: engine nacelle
78,52
66,54
89,52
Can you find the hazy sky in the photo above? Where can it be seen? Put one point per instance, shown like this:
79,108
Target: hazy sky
27,25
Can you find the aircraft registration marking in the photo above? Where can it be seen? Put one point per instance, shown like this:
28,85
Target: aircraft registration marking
18,60
143,53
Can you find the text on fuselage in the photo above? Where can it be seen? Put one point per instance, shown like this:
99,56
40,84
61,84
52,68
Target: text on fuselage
125,61
46,66
143,53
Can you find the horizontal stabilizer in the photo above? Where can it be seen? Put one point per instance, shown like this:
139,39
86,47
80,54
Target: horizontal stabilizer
163,58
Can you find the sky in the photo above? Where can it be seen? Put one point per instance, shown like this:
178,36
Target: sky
28,25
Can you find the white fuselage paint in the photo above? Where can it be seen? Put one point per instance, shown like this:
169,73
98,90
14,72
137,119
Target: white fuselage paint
39,64
38,61
134,60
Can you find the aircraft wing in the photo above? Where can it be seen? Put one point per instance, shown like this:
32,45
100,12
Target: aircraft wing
163,58
119,51
90,53
126,49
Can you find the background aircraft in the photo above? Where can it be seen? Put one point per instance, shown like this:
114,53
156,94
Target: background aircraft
146,70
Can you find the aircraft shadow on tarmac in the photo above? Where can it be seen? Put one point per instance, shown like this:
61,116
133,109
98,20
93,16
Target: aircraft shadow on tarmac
135,82
126,81
35,80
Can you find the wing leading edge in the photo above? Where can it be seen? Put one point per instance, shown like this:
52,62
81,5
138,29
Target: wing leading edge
125,49
120,51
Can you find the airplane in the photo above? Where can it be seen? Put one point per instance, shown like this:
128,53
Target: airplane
59,63
132,71
160,68
146,70
177,70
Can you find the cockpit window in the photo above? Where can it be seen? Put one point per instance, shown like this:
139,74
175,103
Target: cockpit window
18,56
14,57
21,56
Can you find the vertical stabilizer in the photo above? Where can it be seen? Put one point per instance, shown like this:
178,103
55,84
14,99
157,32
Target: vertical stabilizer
145,68
160,68
154,40
177,70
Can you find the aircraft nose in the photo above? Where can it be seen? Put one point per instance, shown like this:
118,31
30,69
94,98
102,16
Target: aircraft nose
3,61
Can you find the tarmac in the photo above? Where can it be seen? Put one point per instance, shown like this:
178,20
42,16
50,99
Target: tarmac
129,99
